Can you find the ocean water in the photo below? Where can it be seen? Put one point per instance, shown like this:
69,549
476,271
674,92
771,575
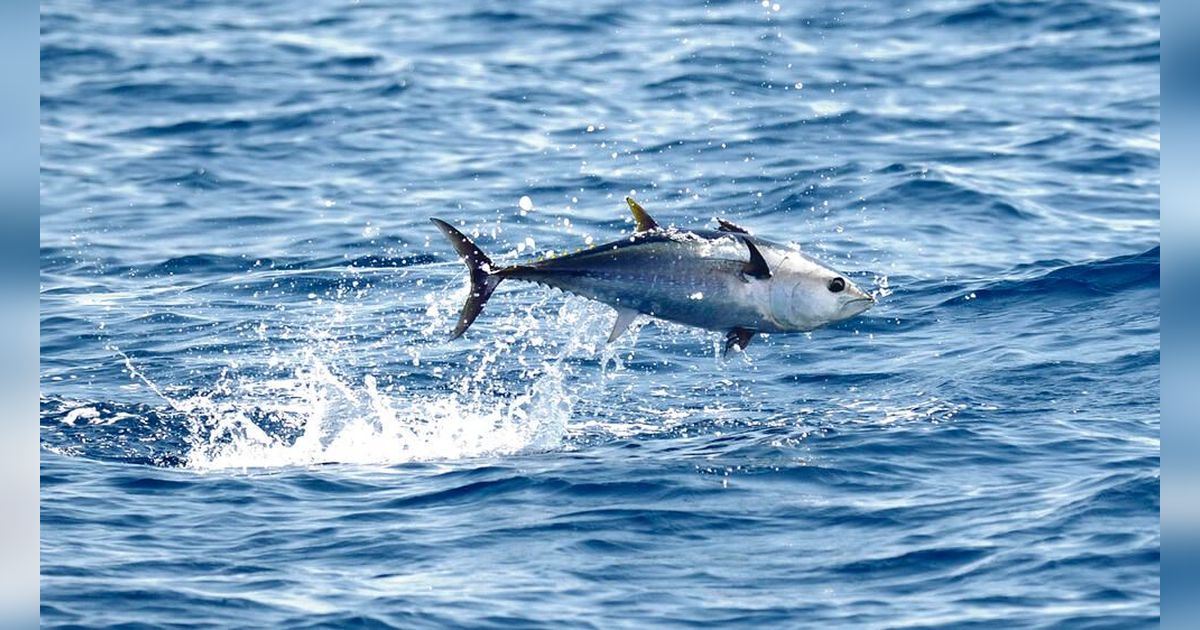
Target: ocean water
251,416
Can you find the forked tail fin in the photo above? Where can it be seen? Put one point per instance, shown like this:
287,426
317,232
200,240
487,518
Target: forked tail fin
483,276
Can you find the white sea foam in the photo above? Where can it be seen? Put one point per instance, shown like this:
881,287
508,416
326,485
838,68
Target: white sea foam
345,422
314,413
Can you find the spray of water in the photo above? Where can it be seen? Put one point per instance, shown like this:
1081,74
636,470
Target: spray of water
336,421
313,411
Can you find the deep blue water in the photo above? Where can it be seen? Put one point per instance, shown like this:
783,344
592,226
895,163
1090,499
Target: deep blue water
251,416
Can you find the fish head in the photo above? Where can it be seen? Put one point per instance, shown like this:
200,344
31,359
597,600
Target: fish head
806,295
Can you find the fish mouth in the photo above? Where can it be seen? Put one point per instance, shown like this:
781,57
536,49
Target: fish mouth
857,305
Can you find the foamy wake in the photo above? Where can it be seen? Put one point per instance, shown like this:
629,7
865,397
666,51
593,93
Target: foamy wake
336,421
316,415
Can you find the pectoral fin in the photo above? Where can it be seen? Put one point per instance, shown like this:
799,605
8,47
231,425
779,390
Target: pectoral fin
739,337
625,317
757,265
730,226
644,222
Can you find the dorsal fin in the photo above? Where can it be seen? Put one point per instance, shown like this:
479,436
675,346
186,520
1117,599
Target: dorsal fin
757,265
730,226
644,222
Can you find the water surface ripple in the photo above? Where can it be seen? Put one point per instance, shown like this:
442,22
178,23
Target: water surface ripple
250,416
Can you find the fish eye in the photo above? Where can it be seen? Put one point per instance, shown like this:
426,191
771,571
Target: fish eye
837,285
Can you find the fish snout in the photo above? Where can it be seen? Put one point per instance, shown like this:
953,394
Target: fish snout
858,294
857,301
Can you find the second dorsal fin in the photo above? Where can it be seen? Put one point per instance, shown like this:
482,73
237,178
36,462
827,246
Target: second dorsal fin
644,222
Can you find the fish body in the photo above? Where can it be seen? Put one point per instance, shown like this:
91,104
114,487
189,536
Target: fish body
690,277
726,280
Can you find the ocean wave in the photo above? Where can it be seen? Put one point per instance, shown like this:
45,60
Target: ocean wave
251,415
1097,278
934,195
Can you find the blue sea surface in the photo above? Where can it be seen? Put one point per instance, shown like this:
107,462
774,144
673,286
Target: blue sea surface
251,416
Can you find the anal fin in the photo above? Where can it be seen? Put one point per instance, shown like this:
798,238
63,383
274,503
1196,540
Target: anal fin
625,317
739,337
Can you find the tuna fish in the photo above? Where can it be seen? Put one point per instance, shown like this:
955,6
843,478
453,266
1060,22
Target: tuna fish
724,280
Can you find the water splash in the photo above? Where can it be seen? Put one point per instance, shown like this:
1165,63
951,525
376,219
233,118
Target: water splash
307,408
340,422
317,417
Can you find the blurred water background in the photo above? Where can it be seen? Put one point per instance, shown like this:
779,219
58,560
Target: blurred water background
250,415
